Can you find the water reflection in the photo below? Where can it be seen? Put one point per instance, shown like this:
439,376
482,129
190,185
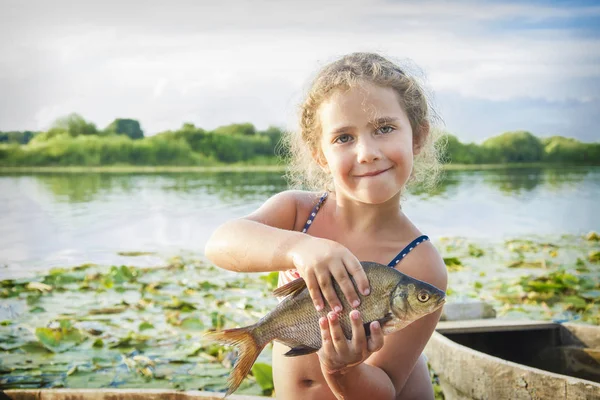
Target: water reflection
81,188
227,186
528,179
76,188
66,219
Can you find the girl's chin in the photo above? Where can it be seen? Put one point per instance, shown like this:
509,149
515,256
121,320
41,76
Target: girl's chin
376,196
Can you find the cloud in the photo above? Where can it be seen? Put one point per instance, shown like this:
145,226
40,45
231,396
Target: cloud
250,61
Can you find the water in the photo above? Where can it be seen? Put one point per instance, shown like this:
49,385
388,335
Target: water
52,220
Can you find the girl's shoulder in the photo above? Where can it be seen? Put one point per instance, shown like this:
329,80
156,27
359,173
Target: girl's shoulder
287,209
425,263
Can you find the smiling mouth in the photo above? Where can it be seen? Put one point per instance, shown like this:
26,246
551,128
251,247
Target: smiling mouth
374,173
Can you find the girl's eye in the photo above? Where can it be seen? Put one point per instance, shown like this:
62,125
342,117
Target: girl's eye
386,129
343,139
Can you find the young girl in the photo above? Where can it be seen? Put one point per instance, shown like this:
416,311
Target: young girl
364,134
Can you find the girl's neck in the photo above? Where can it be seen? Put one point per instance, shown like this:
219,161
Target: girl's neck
353,216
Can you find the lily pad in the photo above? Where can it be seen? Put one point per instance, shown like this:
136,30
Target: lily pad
135,253
60,339
453,263
192,323
263,373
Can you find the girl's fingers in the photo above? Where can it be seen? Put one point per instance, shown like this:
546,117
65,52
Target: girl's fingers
315,292
375,342
326,286
327,345
343,280
355,269
359,339
340,343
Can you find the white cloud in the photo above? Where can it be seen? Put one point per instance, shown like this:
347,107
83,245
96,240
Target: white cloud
249,61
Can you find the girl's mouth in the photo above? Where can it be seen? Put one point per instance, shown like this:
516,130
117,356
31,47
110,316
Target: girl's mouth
373,173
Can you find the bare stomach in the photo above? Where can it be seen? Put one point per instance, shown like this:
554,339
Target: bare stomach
301,378
298,377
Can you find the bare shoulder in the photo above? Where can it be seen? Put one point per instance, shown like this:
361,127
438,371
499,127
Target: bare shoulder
283,209
425,263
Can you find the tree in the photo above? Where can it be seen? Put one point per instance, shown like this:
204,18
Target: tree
74,125
128,127
236,129
20,137
520,146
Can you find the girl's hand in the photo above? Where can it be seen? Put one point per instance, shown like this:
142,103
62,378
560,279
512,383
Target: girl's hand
319,261
338,353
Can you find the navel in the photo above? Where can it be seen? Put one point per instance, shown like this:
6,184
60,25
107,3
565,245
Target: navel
306,383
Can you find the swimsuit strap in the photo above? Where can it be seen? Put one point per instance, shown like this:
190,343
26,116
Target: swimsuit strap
314,212
407,250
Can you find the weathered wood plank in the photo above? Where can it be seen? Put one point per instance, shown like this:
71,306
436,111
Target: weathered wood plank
492,325
468,374
588,335
119,394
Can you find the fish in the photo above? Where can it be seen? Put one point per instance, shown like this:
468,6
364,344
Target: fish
396,300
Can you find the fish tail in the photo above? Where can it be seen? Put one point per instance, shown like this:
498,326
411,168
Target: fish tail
249,349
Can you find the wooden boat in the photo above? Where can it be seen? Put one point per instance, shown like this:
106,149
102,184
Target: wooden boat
503,359
117,394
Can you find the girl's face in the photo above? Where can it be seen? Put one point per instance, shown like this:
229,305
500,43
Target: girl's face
366,143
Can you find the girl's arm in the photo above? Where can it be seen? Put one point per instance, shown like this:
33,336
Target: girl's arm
266,241
260,241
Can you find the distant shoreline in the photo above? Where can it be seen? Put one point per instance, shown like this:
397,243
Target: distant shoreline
124,169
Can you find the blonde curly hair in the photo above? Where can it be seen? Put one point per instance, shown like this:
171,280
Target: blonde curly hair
347,72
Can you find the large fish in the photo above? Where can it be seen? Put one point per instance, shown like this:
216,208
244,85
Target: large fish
395,301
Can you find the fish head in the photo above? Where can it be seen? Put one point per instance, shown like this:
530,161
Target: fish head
412,299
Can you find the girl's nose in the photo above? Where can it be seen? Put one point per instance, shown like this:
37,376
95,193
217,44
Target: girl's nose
367,151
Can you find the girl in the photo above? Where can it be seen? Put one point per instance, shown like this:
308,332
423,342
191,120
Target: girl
364,134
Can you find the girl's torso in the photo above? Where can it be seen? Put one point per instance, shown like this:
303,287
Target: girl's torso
301,377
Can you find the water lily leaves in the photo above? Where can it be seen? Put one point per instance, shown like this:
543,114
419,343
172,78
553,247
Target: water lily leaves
271,279
135,253
192,323
217,319
159,313
59,339
592,237
178,304
145,325
107,310
594,256
475,251
527,264
131,340
123,274
42,287
453,263
574,302
263,373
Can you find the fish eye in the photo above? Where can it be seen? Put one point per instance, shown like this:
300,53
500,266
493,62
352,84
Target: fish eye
423,297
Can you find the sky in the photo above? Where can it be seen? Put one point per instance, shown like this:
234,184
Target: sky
489,66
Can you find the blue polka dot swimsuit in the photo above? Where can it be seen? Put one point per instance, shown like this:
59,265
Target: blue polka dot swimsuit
290,275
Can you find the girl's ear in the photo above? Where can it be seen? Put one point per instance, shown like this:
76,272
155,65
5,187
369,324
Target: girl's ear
420,138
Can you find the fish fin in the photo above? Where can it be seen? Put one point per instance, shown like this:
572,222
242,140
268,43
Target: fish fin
300,351
388,317
292,287
249,350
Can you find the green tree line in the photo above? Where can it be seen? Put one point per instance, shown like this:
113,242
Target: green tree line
73,141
